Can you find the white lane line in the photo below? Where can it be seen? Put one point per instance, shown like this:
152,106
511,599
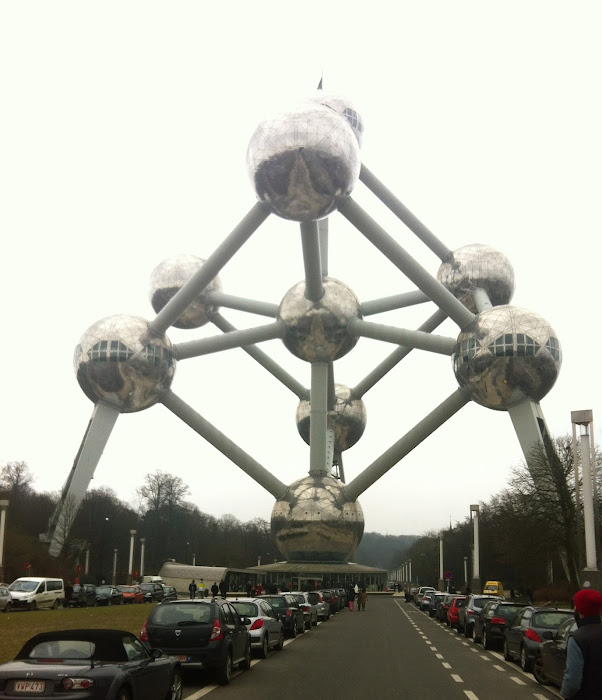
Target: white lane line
471,695
446,665
439,656
518,681
485,657
498,668
433,648
457,678
476,651
539,696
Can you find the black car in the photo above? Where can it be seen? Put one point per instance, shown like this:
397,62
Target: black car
435,603
83,595
90,663
469,612
169,593
205,633
491,622
109,595
289,612
549,663
153,592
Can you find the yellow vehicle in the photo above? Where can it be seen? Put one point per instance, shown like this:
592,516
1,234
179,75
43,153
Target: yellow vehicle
493,588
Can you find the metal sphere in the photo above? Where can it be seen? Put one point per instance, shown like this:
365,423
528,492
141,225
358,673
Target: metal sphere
507,355
317,331
304,163
347,418
120,362
315,521
169,277
478,266
345,108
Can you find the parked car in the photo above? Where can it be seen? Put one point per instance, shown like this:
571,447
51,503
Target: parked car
523,637
83,595
452,612
286,607
131,594
323,607
420,593
550,660
203,633
310,610
332,599
108,595
32,592
264,625
469,611
434,603
426,599
153,592
169,593
444,607
490,623
6,602
91,663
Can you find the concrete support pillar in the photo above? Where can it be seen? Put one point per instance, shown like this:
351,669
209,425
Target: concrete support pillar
475,583
131,561
3,509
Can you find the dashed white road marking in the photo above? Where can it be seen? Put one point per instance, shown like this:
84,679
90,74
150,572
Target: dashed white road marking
439,656
518,681
457,678
471,695
433,648
446,665
498,668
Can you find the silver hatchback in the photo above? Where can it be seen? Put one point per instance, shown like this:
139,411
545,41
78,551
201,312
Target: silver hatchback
265,627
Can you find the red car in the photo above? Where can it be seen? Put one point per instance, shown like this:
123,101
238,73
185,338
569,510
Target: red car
131,594
452,613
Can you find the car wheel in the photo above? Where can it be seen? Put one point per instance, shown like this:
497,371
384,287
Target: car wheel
55,605
540,676
475,637
466,630
307,625
525,661
294,631
265,645
507,655
486,640
224,673
33,605
123,694
280,645
245,664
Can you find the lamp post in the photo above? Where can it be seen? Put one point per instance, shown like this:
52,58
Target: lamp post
3,509
105,537
114,579
441,583
475,583
142,542
410,570
131,562
87,564
193,559
465,572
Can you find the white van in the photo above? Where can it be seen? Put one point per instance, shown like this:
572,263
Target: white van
152,579
33,592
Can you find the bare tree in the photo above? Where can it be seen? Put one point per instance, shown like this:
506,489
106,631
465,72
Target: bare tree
16,477
161,490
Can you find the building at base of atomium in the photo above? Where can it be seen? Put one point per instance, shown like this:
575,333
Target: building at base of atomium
304,165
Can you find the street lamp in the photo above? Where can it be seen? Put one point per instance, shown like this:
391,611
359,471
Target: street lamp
142,542
114,579
475,584
3,509
131,562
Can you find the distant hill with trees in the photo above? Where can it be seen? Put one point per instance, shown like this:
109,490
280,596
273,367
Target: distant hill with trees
383,551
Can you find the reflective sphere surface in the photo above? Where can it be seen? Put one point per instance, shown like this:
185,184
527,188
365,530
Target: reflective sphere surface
317,331
304,163
506,356
347,419
315,521
478,266
344,107
169,277
119,361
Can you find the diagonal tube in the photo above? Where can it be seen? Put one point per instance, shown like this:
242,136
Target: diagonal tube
402,336
407,443
227,341
310,240
176,306
226,446
389,247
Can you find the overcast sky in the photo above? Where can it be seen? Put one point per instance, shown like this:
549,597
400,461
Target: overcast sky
123,140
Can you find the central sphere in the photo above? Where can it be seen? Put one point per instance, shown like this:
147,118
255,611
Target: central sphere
304,163
507,355
315,521
119,361
316,331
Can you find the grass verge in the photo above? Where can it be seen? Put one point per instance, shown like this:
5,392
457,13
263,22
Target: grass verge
17,627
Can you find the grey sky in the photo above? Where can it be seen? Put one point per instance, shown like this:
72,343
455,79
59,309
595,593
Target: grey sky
123,142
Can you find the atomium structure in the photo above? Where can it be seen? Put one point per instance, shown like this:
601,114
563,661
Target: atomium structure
304,165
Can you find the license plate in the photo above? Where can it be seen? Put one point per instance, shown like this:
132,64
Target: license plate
30,686
182,659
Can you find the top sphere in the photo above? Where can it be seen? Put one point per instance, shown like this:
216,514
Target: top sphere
120,362
477,266
507,355
169,277
345,108
304,163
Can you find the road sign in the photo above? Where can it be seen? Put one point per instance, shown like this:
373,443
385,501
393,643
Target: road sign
448,576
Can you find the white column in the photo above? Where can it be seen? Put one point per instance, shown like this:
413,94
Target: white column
476,576
3,508
591,563
87,564
141,572
114,580
131,562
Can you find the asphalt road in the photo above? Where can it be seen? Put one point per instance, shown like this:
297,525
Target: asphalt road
390,650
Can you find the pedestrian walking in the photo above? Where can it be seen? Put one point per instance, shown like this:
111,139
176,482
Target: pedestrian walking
214,589
583,670
361,602
350,597
202,589
192,588
223,589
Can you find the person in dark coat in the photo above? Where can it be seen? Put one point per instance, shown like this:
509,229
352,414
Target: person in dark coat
350,597
192,589
214,589
583,671
223,589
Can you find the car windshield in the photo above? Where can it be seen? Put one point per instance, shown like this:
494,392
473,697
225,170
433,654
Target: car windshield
147,586
25,586
551,619
63,649
300,598
104,589
126,589
245,609
277,602
167,615
480,602
505,611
